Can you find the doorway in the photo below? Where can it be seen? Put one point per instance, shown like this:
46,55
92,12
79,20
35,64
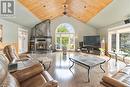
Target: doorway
65,37
22,41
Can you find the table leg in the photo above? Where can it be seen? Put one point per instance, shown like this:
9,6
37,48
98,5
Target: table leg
71,65
49,66
102,68
124,60
88,74
116,59
109,59
44,66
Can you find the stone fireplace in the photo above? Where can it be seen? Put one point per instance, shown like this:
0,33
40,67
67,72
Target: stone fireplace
41,38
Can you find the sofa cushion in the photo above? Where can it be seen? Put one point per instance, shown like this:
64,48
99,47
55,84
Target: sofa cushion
114,82
120,76
35,81
126,70
127,80
28,72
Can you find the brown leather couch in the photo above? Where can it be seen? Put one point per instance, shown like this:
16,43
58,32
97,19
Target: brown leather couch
32,76
120,79
12,56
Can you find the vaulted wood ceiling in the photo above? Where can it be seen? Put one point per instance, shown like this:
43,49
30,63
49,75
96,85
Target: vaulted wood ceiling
82,10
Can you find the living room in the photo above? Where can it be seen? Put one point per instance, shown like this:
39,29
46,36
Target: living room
64,43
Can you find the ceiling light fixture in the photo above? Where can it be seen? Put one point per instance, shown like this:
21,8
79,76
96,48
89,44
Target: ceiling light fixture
44,5
65,12
65,8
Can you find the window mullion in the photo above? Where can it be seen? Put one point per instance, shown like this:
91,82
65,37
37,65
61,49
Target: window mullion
117,42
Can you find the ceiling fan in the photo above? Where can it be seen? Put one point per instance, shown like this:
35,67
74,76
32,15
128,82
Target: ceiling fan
65,8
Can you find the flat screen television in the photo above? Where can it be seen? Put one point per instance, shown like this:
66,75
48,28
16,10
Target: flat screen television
91,40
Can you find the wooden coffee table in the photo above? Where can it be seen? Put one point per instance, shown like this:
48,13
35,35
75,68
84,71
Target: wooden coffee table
87,62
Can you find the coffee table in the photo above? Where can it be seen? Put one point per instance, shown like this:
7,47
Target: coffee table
87,62
44,60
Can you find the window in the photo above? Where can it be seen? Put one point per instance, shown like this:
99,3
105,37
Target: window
125,42
65,37
113,41
119,39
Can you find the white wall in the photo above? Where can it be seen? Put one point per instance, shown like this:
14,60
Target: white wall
10,32
81,29
104,31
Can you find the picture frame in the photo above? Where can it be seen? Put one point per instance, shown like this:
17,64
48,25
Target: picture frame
1,33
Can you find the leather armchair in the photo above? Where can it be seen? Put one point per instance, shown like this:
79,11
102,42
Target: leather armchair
10,53
33,76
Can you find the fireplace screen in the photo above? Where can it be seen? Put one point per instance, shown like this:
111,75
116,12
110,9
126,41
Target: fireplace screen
41,44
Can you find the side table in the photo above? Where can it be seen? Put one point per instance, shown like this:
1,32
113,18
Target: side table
45,61
117,54
12,67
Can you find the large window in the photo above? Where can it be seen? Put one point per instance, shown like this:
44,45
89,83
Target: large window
125,42
113,42
65,37
119,39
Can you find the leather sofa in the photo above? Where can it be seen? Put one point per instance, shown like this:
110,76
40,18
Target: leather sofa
120,79
12,56
32,76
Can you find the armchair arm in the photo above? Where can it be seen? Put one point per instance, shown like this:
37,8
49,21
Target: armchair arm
53,83
23,59
24,56
18,60
28,72
50,81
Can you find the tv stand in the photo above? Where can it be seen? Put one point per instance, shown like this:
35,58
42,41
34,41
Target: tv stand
91,49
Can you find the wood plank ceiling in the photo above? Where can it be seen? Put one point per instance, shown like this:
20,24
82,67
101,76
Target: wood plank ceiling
82,10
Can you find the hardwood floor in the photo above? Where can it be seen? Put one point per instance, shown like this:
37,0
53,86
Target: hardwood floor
78,77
